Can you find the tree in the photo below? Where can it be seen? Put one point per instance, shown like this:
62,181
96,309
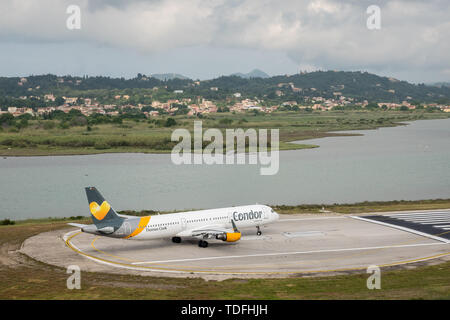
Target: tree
170,122
59,101
6,118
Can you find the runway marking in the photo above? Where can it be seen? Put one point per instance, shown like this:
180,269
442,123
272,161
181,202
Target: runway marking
67,241
423,219
109,254
421,213
287,253
434,222
302,234
434,237
443,216
308,219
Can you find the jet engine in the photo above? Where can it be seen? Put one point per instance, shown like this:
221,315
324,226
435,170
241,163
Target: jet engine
229,236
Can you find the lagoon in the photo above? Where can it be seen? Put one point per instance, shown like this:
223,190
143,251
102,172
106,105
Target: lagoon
410,162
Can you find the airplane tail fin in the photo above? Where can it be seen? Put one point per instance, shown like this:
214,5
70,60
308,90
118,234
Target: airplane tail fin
101,211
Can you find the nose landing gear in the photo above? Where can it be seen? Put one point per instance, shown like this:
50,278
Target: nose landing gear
258,231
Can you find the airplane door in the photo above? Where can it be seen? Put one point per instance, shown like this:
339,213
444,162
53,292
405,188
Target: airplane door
265,213
183,223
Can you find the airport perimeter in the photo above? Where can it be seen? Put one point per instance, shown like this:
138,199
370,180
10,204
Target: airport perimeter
296,245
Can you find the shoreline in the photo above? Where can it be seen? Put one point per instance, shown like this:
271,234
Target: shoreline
292,134
345,208
288,145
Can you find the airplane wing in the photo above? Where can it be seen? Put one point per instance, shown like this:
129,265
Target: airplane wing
213,231
78,225
83,227
208,231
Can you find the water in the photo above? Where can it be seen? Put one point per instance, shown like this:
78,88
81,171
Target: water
407,162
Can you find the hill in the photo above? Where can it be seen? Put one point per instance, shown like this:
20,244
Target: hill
255,73
168,76
298,87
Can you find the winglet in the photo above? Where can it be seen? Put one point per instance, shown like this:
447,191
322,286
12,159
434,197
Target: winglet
235,229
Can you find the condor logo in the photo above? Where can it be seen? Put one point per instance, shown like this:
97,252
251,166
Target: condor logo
247,215
99,212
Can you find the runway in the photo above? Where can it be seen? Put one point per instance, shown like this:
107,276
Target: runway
295,244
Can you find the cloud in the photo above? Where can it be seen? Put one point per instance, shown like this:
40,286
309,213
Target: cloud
327,34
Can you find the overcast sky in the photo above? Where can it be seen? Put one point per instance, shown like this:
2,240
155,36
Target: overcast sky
208,38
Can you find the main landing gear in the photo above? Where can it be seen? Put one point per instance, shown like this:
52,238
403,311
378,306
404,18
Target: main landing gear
203,244
176,239
258,231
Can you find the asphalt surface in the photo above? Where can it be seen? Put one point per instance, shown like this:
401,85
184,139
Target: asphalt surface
295,244
436,223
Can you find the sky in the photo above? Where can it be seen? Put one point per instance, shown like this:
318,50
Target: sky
203,39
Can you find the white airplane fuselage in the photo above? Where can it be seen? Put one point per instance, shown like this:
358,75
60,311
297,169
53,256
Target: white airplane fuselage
180,224
220,224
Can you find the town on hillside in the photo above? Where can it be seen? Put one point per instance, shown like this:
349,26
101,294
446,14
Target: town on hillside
182,98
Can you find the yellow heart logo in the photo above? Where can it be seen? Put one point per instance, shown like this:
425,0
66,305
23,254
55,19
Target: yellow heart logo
99,212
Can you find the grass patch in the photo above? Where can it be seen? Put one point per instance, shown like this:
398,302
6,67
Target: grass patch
366,207
41,139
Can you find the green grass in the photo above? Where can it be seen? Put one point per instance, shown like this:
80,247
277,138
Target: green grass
146,137
366,207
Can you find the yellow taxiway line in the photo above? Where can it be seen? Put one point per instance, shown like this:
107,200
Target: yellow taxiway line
172,270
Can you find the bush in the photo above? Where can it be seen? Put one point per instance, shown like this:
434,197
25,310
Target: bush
6,222
101,145
170,122
76,217
64,125
48,125
226,121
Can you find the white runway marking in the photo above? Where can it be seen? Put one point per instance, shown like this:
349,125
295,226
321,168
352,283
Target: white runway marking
244,238
425,219
402,228
289,253
418,213
302,234
424,216
434,222
308,219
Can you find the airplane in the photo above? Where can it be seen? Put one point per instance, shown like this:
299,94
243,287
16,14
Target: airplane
219,224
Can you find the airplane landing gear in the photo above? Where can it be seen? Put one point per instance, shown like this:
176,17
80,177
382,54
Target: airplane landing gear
258,231
176,239
203,244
